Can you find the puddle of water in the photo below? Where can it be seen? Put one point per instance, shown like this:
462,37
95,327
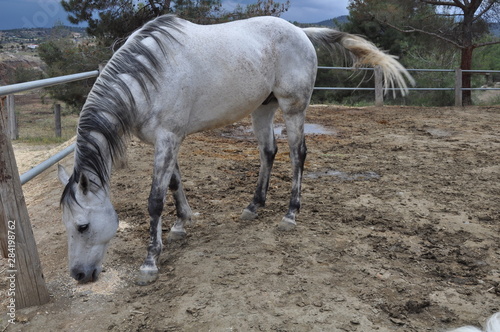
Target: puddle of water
309,129
344,176
436,132
279,130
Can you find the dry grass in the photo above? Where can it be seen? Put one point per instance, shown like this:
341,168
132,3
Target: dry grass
35,117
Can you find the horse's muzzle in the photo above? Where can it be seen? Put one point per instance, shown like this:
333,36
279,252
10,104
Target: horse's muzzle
85,275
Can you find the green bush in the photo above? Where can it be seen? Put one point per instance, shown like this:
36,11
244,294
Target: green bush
64,57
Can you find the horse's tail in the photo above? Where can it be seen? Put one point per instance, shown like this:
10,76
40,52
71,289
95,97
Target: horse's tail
363,53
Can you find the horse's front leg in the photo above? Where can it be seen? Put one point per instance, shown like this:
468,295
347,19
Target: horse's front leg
166,150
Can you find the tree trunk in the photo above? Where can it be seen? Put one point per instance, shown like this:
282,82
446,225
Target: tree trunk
466,64
468,47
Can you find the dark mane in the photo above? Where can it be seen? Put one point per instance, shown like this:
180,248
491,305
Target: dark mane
109,110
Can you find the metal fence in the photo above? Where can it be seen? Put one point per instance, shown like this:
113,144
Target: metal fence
378,89
21,87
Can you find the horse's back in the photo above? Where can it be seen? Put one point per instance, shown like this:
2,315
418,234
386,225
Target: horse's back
217,74
261,51
269,38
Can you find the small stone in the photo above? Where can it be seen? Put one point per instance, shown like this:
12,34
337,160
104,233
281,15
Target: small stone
397,321
318,304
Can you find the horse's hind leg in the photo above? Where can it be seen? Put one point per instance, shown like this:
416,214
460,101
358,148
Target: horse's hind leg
262,120
184,213
166,150
294,114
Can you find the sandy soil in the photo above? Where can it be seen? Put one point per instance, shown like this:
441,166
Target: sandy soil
399,231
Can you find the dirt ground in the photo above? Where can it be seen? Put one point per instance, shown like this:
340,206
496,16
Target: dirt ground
399,231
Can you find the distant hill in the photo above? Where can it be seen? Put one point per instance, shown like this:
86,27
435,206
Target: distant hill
19,60
333,22
14,65
36,34
44,30
330,23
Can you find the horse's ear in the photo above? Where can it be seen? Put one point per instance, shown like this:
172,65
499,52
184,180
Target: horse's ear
62,174
84,183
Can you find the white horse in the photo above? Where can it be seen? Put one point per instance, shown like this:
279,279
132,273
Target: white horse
173,78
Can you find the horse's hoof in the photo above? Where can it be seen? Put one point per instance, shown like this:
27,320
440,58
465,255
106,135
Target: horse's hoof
248,215
286,224
175,236
145,278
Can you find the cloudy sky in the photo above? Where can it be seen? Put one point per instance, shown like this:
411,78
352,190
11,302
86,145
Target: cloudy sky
44,13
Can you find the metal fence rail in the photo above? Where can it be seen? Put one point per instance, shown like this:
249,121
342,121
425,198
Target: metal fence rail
21,87
378,82
25,177
457,87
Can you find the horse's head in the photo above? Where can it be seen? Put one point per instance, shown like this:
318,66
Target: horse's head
91,222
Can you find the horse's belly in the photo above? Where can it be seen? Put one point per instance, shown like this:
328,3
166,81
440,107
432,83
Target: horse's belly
219,104
211,118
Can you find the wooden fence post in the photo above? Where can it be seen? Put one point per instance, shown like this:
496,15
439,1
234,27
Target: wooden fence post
12,118
57,119
489,79
3,223
458,87
24,272
379,88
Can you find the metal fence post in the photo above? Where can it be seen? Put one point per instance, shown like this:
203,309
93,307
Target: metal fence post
458,87
379,88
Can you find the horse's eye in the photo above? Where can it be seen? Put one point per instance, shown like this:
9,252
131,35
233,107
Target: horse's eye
83,228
